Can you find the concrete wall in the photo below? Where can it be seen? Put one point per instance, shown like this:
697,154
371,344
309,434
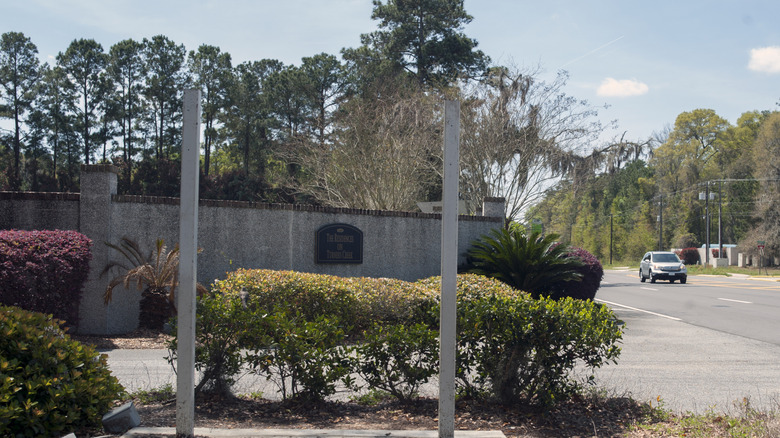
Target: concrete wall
39,211
730,258
404,245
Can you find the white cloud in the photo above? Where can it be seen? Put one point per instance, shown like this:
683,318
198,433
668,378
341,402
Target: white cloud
611,87
765,59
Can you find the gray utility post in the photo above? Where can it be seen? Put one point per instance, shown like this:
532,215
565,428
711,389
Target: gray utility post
188,266
449,270
707,225
720,219
660,223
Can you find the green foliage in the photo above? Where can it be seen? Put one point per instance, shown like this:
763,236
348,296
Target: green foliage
520,349
424,37
360,301
371,398
50,385
514,348
162,394
305,359
398,358
510,346
223,327
531,263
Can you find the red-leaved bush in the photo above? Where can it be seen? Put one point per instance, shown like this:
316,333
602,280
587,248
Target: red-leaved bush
44,271
592,273
689,256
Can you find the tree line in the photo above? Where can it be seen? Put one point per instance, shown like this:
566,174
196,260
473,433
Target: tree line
700,181
361,130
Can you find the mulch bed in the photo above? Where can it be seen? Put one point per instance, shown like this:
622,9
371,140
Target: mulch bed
578,418
597,417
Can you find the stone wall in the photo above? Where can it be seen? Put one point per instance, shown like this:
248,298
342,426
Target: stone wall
404,245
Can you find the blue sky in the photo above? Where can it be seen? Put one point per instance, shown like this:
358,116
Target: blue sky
647,61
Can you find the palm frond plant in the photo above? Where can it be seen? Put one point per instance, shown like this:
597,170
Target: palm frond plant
155,275
532,263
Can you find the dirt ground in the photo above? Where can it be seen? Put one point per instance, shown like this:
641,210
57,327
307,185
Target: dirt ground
592,417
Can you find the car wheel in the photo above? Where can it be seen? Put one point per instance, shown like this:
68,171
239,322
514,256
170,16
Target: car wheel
641,277
683,280
652,279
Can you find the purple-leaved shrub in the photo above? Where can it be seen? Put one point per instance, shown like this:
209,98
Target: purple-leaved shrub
592,273
44,271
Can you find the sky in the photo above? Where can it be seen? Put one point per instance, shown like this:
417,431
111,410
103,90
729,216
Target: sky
641,62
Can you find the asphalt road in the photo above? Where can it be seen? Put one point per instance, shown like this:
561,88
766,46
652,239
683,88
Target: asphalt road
741,306
705,345
708,344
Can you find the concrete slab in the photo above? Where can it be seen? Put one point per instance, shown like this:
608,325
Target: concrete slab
308,433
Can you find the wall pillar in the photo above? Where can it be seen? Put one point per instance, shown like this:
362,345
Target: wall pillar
494,207
98,183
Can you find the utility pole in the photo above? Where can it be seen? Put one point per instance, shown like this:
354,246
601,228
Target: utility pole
188,265
707,224
660,224
610,239
720,221
449,271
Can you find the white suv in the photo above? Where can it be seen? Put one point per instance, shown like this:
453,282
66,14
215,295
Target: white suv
662,265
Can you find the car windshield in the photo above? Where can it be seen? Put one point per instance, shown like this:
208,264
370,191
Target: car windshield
666,258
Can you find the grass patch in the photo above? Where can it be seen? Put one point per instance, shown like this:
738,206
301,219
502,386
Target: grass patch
372,398
156,395
727,271
747,422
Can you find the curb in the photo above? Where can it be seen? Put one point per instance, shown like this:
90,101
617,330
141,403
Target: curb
302,433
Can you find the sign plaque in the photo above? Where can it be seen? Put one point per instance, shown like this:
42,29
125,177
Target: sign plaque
339,243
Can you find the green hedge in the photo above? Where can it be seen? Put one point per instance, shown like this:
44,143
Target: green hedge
360,301
317,329
50,385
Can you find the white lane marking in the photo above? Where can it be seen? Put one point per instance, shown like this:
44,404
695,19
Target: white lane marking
640,310
736,301
647,288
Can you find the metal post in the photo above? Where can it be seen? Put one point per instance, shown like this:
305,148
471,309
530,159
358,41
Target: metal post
449,270
720,222
707,225
188,244
661,224
610,239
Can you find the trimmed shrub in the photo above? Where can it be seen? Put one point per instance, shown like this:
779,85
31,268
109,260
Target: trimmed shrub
398,358
519,349
44,271
223,327
50,385
511,347
689,256
515,348
358,301
305,359
591,271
